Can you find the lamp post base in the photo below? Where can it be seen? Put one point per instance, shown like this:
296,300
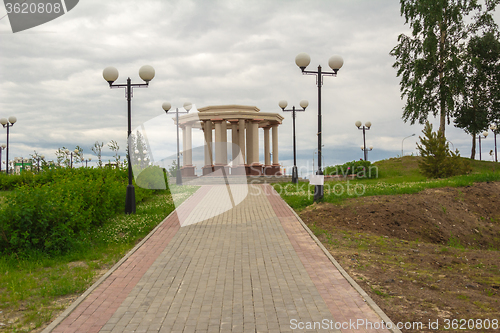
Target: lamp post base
130,200
318,189
178,177
295,176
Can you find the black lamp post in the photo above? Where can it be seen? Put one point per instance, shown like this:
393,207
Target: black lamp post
303,104
366,127
335,62
38,158
484,135
86,161
495,129
76,151
2,147
110,74
187,106
8,124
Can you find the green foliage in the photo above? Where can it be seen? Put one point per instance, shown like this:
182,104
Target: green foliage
172,170
97,150
52,211
10,182
62,157
437,159
153,177
138,147
429,61
480,102
113,145
361,169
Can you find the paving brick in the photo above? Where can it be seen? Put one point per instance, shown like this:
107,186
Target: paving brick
248,268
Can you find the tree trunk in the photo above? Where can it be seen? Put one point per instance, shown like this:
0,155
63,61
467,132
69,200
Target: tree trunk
442,97
473,151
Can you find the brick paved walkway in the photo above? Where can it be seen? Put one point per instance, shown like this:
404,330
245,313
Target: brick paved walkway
251,268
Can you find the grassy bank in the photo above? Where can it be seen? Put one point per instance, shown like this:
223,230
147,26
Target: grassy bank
395,176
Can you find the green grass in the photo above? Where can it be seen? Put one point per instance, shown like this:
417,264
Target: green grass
395,176
30,286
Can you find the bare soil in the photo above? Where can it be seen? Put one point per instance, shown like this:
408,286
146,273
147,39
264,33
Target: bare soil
422,257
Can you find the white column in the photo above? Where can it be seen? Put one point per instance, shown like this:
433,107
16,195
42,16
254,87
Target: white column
235,142
255,141
207,128
184,147
249,143
218,140
223,144
188,152
241,139
267,155
275,144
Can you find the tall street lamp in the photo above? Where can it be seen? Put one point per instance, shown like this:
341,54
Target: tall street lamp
2,147
495,129
144,159
335,62
187,106
303,104
110,74
366,150
409,136
7,124
314,153
484,135
86,161
366,127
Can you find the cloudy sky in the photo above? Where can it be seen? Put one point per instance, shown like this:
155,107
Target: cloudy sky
208,53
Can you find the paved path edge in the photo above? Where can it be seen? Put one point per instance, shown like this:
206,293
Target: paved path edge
353,283
96,284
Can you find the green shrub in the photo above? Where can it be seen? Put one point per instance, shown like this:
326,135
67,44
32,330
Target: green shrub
362,169
57,208
153,177
437,159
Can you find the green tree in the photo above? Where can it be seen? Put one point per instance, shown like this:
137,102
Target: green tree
480,101
437,159
97,150
37,161
429,61
172,170
78,157
140,154
62,157
113,145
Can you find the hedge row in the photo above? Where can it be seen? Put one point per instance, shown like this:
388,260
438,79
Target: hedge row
52,211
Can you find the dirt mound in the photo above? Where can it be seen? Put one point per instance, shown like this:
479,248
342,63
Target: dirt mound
469,216
424,257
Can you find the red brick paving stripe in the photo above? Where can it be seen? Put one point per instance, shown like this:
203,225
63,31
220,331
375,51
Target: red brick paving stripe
93,313
343,301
